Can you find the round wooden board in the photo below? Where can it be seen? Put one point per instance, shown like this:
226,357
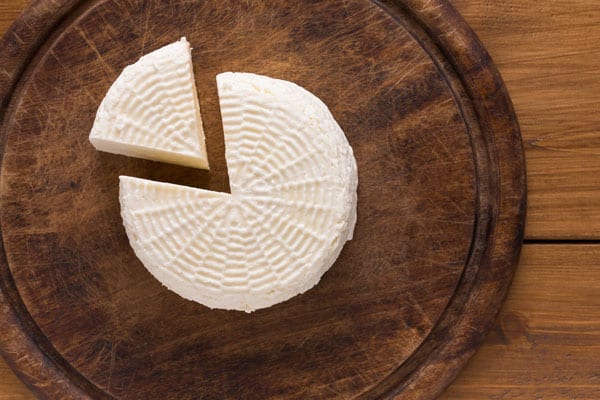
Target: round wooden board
441,204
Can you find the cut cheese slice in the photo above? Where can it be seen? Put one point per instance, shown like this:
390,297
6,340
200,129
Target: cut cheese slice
292,205
151,111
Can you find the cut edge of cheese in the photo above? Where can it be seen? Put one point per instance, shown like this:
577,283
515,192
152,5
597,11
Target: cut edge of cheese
152,111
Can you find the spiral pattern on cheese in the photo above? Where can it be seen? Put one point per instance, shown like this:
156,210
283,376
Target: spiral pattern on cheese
152,111
292,205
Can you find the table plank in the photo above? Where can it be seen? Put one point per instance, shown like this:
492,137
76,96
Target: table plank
548,53
9,10
11,387
546,342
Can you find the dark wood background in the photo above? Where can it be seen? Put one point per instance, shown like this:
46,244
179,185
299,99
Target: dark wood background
546,343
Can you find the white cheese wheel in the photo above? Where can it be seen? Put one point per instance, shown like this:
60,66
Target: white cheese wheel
292,205
151,111
282,141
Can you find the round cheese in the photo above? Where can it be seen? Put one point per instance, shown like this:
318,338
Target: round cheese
292,205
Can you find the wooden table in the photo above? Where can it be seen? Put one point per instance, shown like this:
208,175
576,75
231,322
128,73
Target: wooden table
546,342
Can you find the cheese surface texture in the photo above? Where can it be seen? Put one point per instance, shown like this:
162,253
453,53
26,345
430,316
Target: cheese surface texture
151,111
292,205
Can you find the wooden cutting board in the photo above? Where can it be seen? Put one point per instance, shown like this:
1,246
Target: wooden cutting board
441,204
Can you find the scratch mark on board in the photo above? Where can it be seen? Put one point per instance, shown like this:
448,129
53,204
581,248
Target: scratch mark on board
92,46
145,37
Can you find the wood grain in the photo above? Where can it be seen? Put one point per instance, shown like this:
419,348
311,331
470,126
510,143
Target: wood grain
11,388
548,53
562,49
512,30
546,343
407,302
9,11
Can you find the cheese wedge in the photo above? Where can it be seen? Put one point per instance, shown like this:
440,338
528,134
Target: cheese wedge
292,205
151,111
